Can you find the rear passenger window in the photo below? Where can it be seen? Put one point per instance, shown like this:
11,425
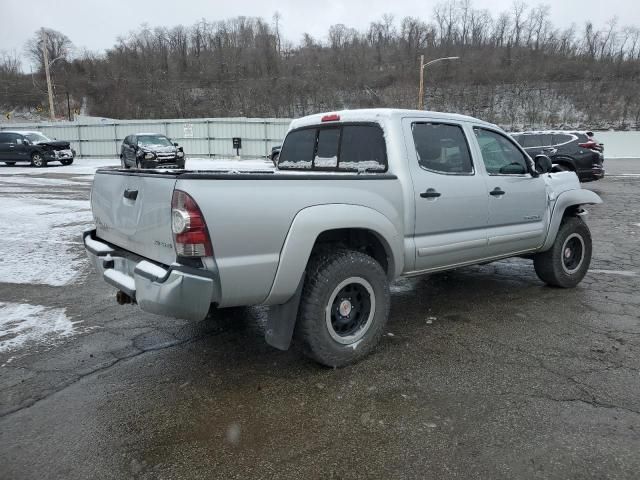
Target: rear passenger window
442,148
561,138
546,140
529,140
362,147
297,150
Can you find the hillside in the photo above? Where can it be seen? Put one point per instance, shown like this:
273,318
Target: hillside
515,69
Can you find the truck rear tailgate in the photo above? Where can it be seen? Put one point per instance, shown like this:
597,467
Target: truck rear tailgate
133,212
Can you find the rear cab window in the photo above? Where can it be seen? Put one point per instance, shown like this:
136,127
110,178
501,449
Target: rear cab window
336,147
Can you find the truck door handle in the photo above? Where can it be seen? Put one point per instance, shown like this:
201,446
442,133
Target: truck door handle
496,192
430,193
130,194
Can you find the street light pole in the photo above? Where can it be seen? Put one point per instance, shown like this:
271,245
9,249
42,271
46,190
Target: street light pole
422,67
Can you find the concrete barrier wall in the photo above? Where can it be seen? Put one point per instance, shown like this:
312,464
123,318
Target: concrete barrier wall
620,144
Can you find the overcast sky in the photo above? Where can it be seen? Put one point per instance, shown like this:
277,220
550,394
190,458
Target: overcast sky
95,25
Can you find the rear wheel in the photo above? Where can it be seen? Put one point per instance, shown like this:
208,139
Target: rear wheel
66,162
37,160
344,307
11,164
566,263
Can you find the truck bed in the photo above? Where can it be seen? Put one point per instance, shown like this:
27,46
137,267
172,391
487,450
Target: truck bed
248,220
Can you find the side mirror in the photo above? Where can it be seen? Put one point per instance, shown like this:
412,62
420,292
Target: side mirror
543,164
175,144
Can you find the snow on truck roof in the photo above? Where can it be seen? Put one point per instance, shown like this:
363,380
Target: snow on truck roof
375,114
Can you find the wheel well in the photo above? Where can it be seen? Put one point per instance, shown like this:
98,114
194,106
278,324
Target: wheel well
572,211
565,161
359,239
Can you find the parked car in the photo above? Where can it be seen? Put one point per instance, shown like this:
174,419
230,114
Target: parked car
358,199
574,151
34,148
150,150
275,153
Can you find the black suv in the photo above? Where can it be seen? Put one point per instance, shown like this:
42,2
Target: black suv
34,148
150,150
573,151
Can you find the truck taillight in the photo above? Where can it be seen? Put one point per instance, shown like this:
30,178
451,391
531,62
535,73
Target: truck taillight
190,234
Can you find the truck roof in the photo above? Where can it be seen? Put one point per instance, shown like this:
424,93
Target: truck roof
375,114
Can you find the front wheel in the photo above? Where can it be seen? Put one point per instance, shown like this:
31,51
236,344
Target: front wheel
344,307
566,263
66,162
38,161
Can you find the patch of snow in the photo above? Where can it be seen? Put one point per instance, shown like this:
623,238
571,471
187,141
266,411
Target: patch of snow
39,239
226,164
20,180
22,325
326,162
364,165
80,166
298,164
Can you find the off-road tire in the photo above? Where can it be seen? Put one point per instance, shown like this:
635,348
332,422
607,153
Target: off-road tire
325,272
37,160
66,162
551,266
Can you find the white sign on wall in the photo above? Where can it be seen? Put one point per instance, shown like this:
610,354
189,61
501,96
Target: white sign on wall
188,130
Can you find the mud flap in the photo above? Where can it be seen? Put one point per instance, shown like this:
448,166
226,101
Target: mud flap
282,320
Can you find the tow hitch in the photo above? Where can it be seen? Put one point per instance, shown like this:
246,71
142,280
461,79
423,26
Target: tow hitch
123,299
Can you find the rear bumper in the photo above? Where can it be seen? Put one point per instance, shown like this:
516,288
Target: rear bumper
175,291
595,173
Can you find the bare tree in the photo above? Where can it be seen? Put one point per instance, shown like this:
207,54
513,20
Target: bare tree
58,46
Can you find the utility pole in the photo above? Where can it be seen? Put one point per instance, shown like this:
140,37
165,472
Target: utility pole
45,53
421,90
68,107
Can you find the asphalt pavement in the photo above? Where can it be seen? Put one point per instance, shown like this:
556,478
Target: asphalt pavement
484,372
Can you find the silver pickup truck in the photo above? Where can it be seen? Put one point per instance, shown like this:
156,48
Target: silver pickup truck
358,199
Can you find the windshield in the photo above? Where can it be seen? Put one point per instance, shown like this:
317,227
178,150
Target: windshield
37,137
154,141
